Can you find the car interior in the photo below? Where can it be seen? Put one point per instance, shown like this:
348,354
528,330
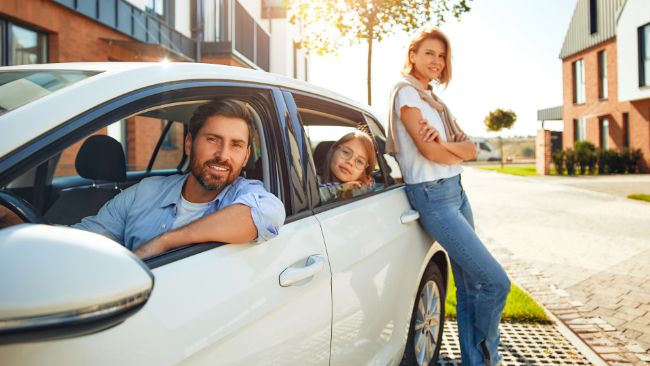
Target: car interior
100,166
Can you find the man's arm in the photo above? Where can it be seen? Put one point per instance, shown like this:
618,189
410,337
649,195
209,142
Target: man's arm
254,215
232,224
433,150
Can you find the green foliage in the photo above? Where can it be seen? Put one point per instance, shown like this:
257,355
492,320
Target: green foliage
500,119
520,307
586,156
640,196
558,159
570,160
330,24
528,152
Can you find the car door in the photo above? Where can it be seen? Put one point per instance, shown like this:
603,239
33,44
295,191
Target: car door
375,247
260,304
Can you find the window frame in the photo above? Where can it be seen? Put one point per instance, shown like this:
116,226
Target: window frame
6,42
312,185
642,51
45,147
603,90
579,82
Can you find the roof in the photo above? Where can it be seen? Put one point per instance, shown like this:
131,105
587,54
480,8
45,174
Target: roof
579,37
121,78
550,114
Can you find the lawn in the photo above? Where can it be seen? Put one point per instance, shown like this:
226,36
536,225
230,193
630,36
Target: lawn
521,170
640,197
519,306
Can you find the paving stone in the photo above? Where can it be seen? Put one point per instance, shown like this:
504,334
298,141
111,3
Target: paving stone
613,357
644,357
601,350
635,347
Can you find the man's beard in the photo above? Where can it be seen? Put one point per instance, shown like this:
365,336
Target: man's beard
201,172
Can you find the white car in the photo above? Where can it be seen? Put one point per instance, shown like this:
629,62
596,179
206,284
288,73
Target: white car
353,281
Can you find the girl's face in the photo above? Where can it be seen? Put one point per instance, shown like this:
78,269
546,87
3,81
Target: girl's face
349,161
429,61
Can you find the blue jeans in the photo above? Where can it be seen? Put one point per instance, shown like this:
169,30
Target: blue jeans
481,283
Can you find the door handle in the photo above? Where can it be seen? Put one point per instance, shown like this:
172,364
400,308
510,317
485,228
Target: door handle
292,275
409,216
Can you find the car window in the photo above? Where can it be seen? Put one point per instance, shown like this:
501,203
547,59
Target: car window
78,180
324,124
18,88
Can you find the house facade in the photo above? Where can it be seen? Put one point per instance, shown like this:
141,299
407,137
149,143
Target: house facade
606,93
246,33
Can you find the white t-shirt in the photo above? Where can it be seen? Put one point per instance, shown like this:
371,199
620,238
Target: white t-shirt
187,212
415,167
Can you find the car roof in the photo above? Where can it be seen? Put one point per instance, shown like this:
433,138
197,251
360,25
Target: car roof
119,78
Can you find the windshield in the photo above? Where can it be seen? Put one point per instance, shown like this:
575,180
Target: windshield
18,88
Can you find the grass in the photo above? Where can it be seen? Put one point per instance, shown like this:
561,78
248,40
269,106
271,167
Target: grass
519,306
639,196
520,170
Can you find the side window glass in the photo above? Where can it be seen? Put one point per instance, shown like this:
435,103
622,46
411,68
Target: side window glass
391,173
343,151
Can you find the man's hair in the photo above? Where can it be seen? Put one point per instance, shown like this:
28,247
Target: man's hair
222,107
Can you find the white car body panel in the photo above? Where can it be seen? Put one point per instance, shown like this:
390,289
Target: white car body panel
368,244
220,307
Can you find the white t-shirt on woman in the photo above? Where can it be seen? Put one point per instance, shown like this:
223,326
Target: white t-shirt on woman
415,167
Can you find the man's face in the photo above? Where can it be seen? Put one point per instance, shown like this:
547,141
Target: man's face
218,152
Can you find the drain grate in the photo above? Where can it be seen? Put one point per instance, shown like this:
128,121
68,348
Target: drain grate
521,344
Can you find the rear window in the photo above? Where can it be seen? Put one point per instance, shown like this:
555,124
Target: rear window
18,88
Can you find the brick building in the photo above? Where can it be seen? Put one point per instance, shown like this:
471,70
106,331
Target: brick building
606,76
231,32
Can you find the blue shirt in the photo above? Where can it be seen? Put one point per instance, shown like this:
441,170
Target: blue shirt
148,209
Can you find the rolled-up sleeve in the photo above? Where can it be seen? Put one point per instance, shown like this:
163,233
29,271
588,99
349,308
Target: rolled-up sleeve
267,212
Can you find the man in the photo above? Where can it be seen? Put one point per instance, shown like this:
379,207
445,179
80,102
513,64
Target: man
210,204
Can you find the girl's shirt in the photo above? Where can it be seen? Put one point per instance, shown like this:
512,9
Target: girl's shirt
415,167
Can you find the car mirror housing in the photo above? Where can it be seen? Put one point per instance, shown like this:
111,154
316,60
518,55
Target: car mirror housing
59,282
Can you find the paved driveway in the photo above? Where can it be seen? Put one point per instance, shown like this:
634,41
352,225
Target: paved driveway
594,245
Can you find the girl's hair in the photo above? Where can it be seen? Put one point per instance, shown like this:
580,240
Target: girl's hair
422,35
367,144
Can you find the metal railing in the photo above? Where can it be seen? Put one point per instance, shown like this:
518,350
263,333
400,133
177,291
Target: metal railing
126,18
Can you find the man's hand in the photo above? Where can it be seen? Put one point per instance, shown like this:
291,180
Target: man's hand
428,132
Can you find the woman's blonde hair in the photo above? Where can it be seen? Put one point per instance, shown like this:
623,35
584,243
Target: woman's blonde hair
422,35
370,151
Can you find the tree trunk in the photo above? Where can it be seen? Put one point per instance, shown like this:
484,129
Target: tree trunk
501,143
370,37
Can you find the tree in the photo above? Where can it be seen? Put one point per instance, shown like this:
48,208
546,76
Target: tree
329,24
498,120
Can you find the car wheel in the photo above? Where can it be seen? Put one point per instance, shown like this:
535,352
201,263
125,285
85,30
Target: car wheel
427,320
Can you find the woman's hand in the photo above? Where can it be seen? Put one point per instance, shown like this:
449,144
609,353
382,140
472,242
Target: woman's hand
427,132
460,137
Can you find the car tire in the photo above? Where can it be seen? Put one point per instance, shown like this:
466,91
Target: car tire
426,326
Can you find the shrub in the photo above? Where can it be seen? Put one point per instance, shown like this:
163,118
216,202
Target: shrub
558,160
585,155
635,157
570,161
528,152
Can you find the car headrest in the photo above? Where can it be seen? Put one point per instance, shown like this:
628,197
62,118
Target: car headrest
320,153
101,158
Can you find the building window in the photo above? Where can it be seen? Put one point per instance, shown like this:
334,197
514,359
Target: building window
579,129
602,75
644,55
579,82
604,133
20,45
593,16
626,130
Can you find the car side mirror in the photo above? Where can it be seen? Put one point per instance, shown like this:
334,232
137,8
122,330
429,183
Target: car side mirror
59,282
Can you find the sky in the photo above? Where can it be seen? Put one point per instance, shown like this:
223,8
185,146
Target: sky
505,54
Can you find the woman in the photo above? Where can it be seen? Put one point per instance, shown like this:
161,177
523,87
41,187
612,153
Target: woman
430,146
348,166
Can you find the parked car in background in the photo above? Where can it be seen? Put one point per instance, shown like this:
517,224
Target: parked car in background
485,151
352,281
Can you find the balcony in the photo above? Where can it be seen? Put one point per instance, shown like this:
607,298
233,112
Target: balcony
230,31
135,23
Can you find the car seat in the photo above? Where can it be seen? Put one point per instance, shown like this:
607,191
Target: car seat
320,153
100,158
